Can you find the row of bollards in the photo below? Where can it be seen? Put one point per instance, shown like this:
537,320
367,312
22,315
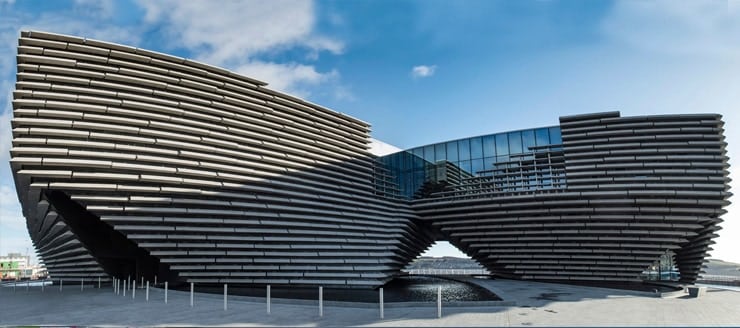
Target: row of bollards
27,283
129,284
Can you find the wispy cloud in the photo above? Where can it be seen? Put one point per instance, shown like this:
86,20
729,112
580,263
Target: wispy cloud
703,27
423,71
287,76
85,18
235,34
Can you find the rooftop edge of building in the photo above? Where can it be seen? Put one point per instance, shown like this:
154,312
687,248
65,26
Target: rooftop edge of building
258,84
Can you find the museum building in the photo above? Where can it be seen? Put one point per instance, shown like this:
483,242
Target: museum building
130,162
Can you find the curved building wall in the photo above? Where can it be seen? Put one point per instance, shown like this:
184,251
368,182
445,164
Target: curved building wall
634,188
131,162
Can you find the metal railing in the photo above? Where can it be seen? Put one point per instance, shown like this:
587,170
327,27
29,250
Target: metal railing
460,272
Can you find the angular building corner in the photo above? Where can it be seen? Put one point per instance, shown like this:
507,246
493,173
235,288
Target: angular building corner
129,162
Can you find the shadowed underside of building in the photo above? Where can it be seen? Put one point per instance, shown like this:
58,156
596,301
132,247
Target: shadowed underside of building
132,162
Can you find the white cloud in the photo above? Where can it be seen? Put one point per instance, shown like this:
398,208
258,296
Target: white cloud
235,33
292,76
87,19
6,130
343,93
667,26
100,8
422,71
9,205
13,232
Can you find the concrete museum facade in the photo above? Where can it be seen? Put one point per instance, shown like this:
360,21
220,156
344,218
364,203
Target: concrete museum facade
133,162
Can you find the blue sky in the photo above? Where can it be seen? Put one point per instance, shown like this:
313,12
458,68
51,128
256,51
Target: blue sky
426,71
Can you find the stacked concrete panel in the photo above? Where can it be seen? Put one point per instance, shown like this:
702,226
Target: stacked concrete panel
134,163
636,187
131,162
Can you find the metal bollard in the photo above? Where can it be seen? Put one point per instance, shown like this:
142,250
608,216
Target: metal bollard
439,301
147,290
268,299
124,287
61,283
165,292
192,289
128,282
321,301
382,315
142,282
133,290
226,300
82,284
155,280
98,282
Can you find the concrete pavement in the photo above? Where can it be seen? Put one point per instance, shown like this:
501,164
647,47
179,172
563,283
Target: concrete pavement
538,304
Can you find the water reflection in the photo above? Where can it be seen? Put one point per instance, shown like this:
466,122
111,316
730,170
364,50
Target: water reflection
424,288
414,288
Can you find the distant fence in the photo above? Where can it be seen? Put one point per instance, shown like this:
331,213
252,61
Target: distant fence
719,280
460,272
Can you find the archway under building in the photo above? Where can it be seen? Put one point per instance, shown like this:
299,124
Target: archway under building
443,258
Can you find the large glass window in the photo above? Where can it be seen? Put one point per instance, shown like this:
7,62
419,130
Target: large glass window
476,148
463,148
542,136
502,144
528,139
477,166
515,142
429,153
465,166
452,151
439,152
488,162
555,137
418,152
489,146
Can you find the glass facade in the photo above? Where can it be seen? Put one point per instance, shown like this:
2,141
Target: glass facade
433,168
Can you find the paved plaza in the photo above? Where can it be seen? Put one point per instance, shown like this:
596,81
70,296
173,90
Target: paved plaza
537,304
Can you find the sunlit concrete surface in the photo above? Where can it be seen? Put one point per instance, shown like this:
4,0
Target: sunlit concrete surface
538,304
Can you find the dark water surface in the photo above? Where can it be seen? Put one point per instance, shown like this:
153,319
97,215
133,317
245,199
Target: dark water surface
401,289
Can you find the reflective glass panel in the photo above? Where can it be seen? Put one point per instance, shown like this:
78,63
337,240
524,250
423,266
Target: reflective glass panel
543,136
515,142
489,146
429,153
452,151
465,166
528,139
418,152
477,166
555,137
476,147
502,144
439,152
463,148
488,162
